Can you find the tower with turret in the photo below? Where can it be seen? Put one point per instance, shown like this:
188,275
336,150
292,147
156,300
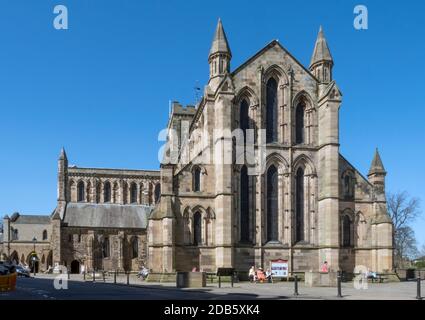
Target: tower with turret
321,61
382,227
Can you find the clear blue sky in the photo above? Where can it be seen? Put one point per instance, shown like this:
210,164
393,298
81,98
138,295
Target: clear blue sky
101,88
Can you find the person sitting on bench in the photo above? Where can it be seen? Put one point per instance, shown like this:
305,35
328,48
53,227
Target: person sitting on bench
251,274
260,275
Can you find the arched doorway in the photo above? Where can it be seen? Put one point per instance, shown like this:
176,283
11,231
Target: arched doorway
75,266
14,257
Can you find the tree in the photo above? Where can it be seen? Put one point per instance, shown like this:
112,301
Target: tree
406,246
403,211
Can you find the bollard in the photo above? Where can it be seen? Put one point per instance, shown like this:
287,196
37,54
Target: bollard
94,276
128,277
84,275
418,289
219,281
115,276
69,276
296,285
103,274
339,284
232,278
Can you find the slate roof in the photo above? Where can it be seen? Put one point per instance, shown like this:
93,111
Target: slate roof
30,219
106,215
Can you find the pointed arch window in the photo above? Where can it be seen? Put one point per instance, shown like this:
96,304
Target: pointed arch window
197,179
107,192
197,228
80,192
300,123
44,234
244,205
133,193
271,110
272,204
157,192
244,117
299,205
346,231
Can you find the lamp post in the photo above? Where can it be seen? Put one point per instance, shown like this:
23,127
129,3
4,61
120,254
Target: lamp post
34,240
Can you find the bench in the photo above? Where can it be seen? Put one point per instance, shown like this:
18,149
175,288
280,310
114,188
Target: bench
225,272
378,278
210,276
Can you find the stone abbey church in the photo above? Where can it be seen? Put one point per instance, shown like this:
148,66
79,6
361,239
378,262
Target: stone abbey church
307,206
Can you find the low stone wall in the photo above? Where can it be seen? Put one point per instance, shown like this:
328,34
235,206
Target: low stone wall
320,279
408,274
161,277
191,279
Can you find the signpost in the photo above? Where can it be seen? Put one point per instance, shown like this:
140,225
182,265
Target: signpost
279,268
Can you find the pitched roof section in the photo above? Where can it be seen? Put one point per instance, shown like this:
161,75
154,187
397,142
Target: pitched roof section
321,50
30,219
377,165
106,215
263,50
220,44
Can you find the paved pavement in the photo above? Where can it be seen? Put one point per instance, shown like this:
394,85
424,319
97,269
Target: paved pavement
42,288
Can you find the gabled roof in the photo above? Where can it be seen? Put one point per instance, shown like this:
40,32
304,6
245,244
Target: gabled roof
354,168
264,49
106,215
30,219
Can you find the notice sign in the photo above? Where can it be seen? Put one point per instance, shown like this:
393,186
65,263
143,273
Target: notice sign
279,268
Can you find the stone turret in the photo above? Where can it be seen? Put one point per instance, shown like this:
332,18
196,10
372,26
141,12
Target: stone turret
321,62
219,57
62,175
381,224
377,174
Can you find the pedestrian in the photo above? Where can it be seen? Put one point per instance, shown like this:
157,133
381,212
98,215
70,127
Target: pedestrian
251,274
260,275
269,276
